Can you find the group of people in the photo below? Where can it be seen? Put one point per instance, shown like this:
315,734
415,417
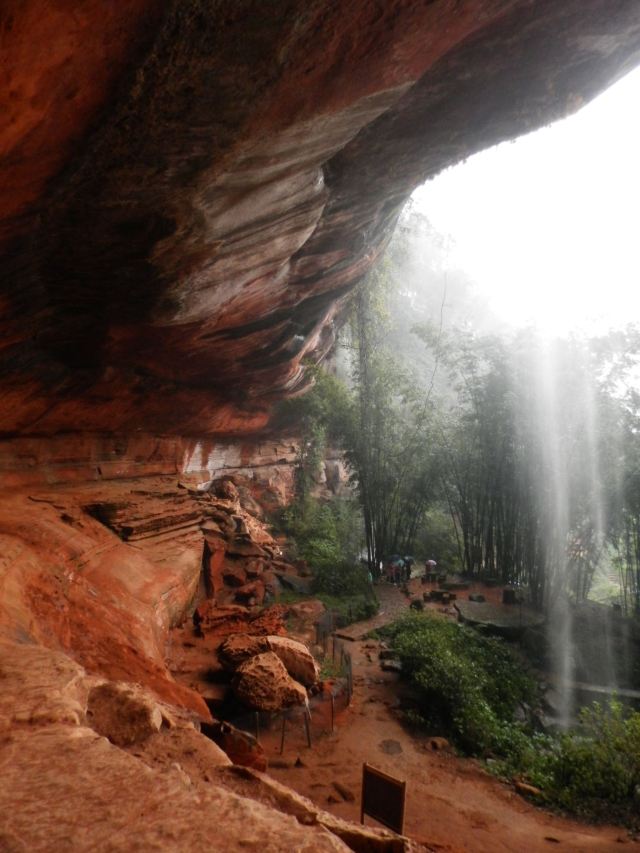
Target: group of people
398,569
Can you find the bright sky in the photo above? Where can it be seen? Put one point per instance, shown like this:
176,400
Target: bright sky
548,226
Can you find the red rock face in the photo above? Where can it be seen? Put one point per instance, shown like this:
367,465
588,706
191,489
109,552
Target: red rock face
190,190
195,187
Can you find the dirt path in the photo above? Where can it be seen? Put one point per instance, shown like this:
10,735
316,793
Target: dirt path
452,804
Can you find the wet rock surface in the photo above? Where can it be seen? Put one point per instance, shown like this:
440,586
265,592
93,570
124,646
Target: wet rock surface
263,683
201,184
66,787
188,193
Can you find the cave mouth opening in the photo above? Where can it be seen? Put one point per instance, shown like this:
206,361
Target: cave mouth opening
533,242
544,226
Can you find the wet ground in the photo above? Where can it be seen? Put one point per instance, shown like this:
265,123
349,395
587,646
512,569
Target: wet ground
452,803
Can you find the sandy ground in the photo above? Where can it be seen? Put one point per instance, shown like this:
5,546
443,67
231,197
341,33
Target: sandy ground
452,803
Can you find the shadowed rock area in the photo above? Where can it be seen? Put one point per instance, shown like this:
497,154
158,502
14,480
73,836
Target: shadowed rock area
189,192
191,189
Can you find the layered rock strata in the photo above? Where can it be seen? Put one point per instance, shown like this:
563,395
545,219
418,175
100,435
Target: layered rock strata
190,189
89,764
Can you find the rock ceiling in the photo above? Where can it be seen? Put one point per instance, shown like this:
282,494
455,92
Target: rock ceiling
189,190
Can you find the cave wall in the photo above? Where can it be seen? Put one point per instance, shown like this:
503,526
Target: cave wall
189,192
191,189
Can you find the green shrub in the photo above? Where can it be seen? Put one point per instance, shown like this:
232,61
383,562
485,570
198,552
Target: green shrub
598,764
351,608
469,685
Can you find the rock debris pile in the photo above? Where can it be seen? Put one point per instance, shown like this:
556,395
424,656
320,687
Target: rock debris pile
237,649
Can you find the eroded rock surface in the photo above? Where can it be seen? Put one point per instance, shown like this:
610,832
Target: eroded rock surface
191,189
296,657
64,787
263,683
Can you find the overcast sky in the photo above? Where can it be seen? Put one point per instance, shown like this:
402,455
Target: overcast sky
548,225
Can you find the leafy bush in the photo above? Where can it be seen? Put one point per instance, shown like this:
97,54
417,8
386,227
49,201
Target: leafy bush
326,535
469,685
598,765
351,608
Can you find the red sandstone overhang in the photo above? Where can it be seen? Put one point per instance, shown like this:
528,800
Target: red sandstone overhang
189,190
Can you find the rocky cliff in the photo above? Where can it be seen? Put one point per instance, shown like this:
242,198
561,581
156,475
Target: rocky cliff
189,191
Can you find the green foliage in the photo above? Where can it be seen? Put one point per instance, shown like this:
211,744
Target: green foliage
592,771
598,765
351,608
469,685
327,536
388,436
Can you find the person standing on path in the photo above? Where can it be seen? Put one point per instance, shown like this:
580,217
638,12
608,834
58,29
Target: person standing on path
430,566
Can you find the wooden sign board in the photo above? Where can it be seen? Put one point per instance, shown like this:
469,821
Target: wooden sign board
383,798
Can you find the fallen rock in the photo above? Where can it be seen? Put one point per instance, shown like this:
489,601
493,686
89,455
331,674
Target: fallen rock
217,620
346,793
391,666
251,593
238,648
298,660
296,657
240,547
438,744
270,621
122,713
241,747
263,683
387,654
254,568
226,489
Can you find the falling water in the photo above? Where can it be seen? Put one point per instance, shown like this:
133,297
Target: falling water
553,492
607,664
563,440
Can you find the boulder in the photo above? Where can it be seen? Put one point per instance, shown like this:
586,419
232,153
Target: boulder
270,621
438,744
238,648
241,547
296,657
298,660
226,489
241,748
122,713
263,683
254,568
